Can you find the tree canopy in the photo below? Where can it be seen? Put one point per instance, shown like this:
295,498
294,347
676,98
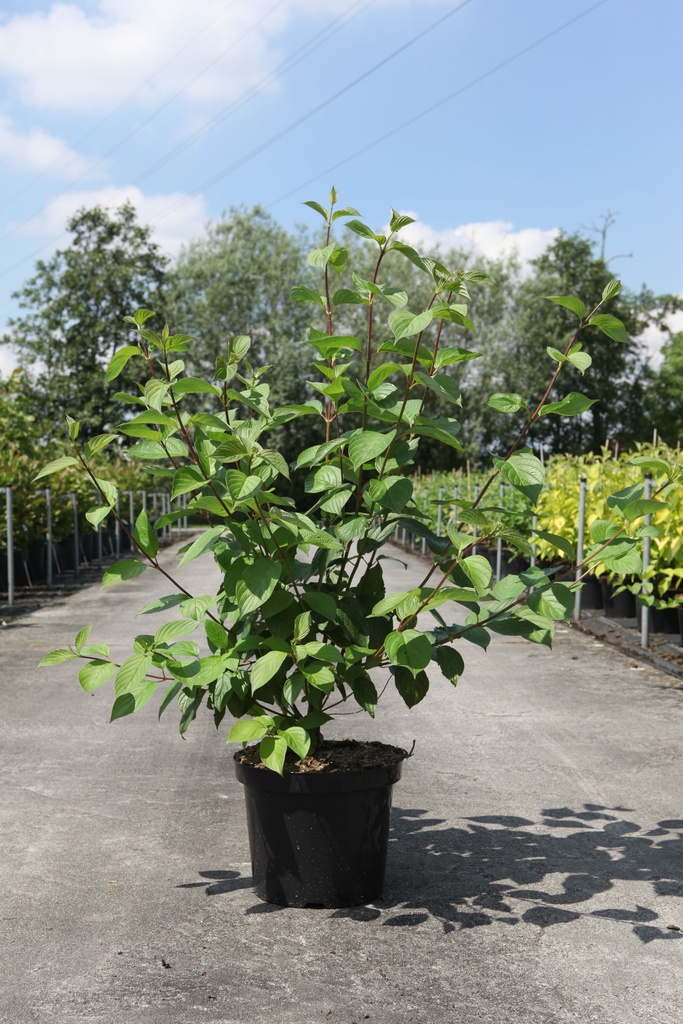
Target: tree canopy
71,316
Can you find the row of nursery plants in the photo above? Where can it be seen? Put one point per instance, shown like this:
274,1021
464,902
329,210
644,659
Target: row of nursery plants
29,501
557,513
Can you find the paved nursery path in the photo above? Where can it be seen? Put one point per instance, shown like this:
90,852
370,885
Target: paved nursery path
535,867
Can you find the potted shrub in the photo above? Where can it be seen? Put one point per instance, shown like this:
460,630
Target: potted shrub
302,623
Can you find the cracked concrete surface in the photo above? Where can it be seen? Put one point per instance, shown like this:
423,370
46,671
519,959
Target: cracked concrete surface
535,868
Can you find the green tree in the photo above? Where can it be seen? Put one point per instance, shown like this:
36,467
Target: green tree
619,376
235,280
668,391
71,319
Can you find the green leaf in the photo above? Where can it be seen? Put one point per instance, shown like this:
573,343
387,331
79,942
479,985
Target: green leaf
323,479
366,445
95,673
364,231
297,739
573,404
399,220
56,465
173,630
405,324
317,207
524,471
320,257
553,602
265,667
379,375
301,294
201,544
145,536
162,604
199,672
365,694
323,604
194,386
506,402
256,584
448,356
244,732
216,634
610,290
610,326
450,662
581,360
273,751
478,570
96,444
643,507
569,302
185,480
656,466
56,657
126,569
97,514
119,360
560,543
411,686
409,648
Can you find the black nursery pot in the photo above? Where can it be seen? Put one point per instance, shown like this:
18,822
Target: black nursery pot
617,606
318,839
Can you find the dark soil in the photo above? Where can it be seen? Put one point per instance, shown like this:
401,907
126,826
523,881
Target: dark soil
334,756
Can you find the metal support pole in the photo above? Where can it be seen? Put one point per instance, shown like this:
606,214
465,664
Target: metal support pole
48,532
154,505
424,539
184,501
144,500
117,527
455,506
77,549
499,545
131,520
645,619
534,524
439,514
99,546
581,529
475,530
10,548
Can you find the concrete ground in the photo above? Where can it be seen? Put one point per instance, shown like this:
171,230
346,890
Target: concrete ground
535,868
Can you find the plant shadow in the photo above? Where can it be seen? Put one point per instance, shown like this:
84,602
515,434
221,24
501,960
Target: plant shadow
492,869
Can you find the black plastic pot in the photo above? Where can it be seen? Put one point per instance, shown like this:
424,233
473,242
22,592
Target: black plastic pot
662,620
591,595
617,606
679,612
318,839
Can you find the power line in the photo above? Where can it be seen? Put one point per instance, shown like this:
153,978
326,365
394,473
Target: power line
325,34
150,117
119,106
446,99
311,113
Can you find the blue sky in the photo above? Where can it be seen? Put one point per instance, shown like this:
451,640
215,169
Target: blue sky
178,106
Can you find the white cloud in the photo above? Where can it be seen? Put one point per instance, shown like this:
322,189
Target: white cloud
35,150
8,360
653,339
78,56
171,229
493,238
